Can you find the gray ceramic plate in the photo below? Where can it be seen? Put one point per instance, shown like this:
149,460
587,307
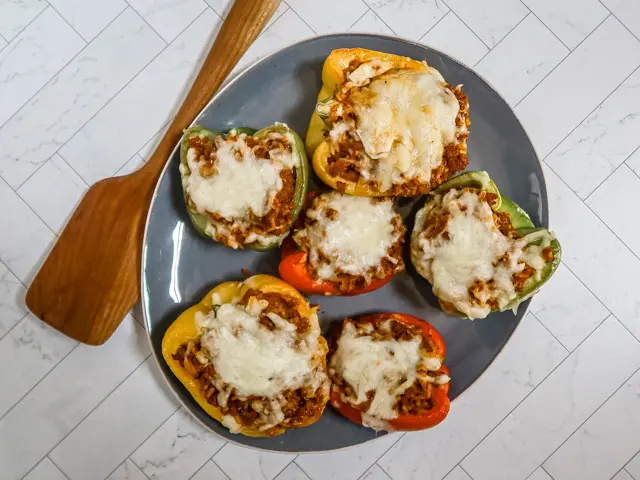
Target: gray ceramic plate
179,266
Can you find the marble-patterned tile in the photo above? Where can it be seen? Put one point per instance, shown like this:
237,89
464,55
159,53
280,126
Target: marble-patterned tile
375,473
410,19
539,474
240,463
593,252
563,99
3,43
622,475
329,16
634,162
12,306
75,94
222,7
125,419
602,141
65,396
454,38
210,471
45,470
292,472
529,356
288,29
617,423
633,467
168,17
628,11
105,143
558,406
178,449
89,17
54,176
458,474
131,166
608,203
127,471
16,15
568,309
571,20
27,353
371,23
32,58
30,238
491,20
148,148
514,74
346,464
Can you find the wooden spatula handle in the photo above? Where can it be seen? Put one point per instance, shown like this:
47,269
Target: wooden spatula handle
243,24
91,278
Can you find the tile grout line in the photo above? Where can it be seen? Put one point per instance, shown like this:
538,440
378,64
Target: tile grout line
591,415
472,30
375,461
569,50
627,471
2,417
499,42
361,16
596,215
8,332
156,32
545,471
462,468
26,26
125,461
637,174
89,413
381,469
586,199
71,26
532,390
297,15
151,434
623,24
582,120
560,63
434,26
62,68
551,333
55,465
366,2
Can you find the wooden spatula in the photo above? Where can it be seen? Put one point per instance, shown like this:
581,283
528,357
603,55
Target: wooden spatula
91,278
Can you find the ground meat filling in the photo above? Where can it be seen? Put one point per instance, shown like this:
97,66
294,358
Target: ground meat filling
484,293
346,159
276,221
388,265
298,406
416,398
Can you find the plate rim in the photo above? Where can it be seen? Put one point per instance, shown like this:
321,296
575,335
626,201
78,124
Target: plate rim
144,298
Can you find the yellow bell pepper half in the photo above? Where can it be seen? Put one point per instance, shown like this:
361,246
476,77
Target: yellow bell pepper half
334,75
183,330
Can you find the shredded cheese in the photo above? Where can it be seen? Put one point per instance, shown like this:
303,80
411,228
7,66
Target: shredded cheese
350,234
404,120
470,248
386,367
252,360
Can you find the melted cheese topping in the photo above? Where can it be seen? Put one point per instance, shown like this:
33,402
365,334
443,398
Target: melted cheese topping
404,120
355,241
470,251
236,166
387,367
251,360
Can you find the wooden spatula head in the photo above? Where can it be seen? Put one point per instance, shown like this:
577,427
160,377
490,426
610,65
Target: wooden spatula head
91,278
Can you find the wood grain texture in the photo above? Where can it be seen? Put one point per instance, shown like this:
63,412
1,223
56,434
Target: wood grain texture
91,278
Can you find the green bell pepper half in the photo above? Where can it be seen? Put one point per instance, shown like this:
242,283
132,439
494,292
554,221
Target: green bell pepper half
201,221
520,221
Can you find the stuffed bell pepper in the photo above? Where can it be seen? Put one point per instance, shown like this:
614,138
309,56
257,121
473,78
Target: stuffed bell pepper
386,125
245,188
387,372
343,245
252,355
479,250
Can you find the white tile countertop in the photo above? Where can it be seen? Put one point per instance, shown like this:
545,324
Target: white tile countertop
86,88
